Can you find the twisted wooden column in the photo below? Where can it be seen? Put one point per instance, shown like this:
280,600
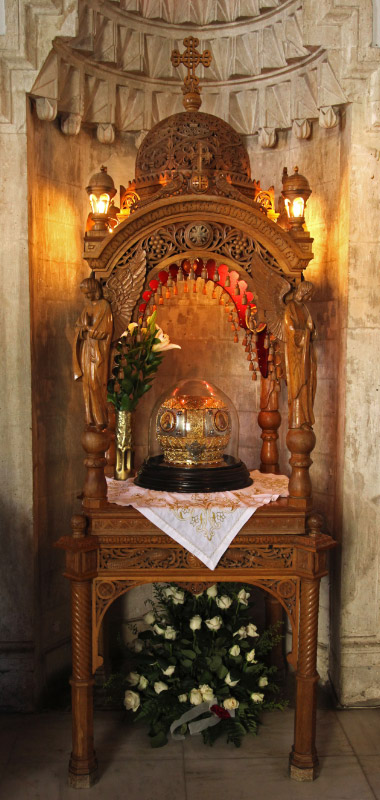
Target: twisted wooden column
81,568
303,758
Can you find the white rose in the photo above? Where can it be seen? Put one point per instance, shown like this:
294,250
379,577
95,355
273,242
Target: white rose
229,680
223,602
168,671
170,632
212,591
158,629
137,645
257,697
133,678
196,697
131,700
178,597
195,622
243,597
251,657
263,681
143,682
235,650
168,591
182,698
206,692
149,618
160,686
214,624
241,633
252,630
231,703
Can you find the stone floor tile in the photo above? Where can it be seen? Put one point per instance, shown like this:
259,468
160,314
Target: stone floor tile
362,728
32,782
42,734
371,768
135,779
120,739
340,779
8,736
275,738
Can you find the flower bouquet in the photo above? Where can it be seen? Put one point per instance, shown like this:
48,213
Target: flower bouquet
139,354
198,651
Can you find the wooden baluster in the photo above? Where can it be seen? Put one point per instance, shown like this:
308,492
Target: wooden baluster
95,443
269,420
300,442
303,758
81,559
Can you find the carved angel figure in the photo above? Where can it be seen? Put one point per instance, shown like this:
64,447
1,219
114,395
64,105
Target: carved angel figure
301,365
91,351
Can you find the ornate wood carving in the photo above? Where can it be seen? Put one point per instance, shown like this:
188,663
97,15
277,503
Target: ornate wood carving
301,367
290,257
172,241
119,558
304,760
91,352
106,591
124,287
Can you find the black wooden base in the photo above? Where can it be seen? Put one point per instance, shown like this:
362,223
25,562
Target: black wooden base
154,473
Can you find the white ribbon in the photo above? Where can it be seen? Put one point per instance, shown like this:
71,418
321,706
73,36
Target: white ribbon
197,727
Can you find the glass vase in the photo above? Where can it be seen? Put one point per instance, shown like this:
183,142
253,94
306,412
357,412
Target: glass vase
123,442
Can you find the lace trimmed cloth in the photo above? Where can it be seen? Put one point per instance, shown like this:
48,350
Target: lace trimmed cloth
205,524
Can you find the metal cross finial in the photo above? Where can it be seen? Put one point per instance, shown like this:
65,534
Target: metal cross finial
191,58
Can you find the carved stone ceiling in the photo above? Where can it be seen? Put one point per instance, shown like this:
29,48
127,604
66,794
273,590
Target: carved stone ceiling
116,73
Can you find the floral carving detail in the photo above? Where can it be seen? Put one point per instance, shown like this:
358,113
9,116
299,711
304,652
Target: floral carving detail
118,558
174,144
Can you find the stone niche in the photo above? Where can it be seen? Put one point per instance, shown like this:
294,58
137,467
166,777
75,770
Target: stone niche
58,169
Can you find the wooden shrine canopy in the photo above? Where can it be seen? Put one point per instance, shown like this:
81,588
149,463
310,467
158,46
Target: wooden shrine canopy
193,198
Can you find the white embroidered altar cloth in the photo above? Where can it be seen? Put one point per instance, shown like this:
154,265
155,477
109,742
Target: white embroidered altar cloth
203,523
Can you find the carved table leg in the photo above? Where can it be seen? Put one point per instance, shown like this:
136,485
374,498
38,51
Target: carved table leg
303,758
83,765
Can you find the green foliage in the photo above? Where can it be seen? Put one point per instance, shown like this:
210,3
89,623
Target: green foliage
135,365
196,649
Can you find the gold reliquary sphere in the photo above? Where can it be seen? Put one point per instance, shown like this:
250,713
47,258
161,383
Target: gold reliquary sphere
193,441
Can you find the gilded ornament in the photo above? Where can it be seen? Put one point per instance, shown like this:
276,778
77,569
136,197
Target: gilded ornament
193,430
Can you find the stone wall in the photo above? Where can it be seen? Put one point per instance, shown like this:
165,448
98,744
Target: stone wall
59,168
342,165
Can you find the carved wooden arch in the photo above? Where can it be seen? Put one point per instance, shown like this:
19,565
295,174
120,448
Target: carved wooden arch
291,256
107,590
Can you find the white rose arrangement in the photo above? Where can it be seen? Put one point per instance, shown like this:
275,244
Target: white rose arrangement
197,651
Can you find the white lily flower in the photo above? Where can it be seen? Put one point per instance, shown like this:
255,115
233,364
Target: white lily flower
164,343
